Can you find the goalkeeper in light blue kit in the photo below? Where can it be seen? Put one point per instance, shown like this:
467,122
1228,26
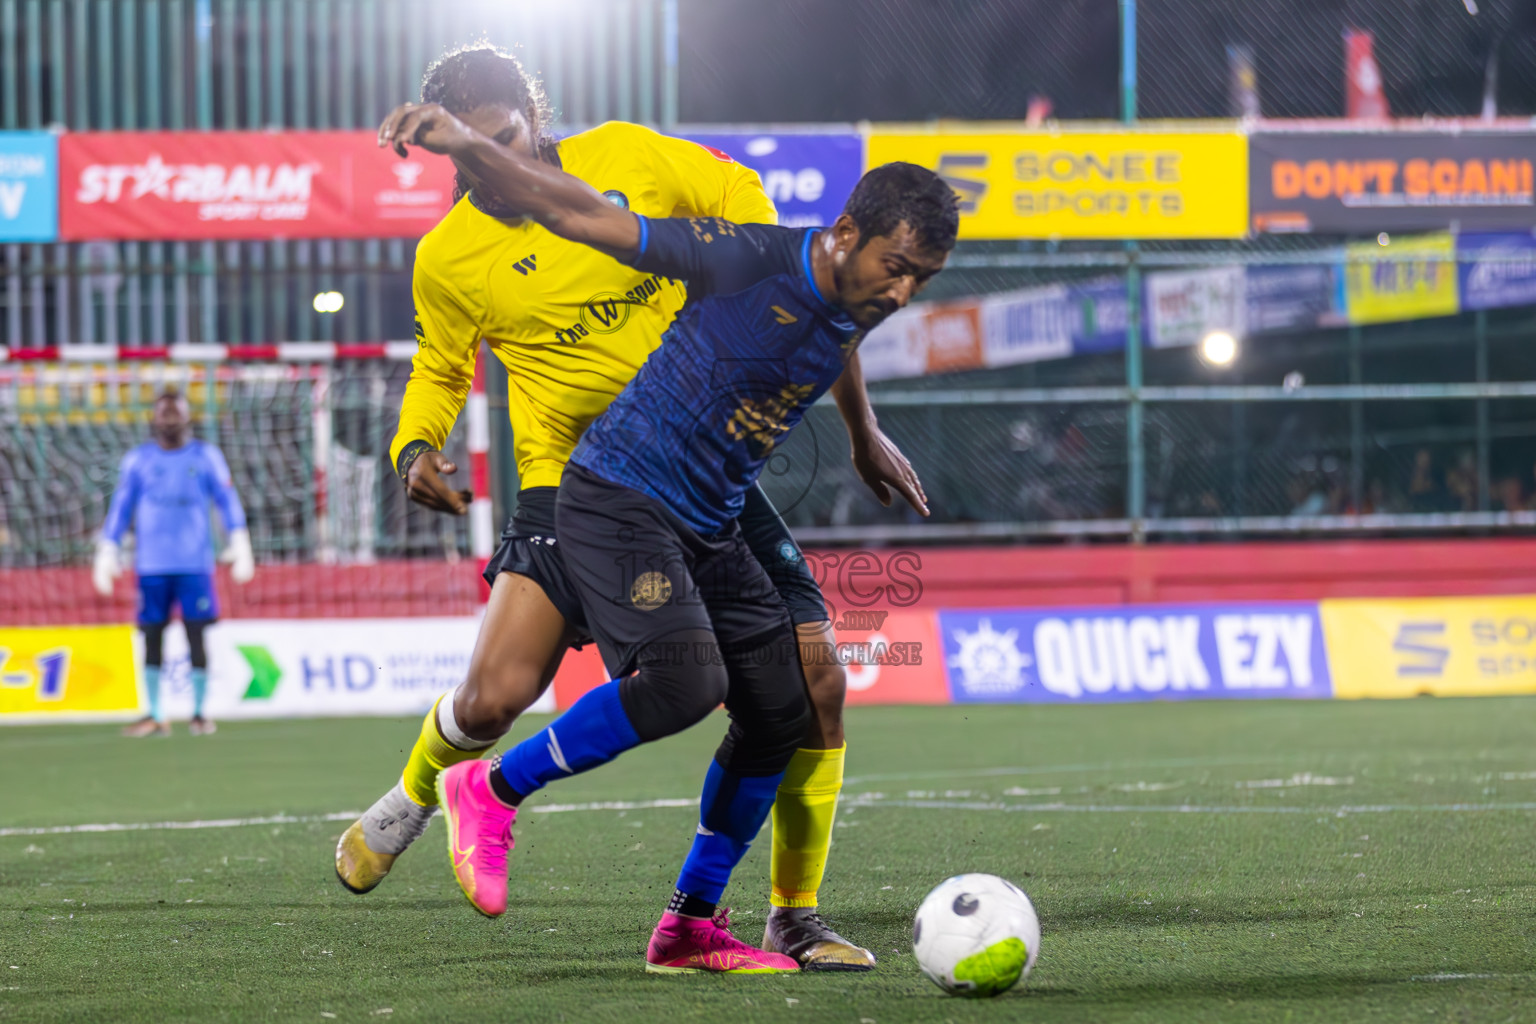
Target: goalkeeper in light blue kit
164,487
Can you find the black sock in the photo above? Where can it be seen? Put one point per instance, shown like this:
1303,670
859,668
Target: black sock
501,787
689,906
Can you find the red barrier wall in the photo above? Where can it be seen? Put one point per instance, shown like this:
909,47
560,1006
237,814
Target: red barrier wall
886,578
1124,574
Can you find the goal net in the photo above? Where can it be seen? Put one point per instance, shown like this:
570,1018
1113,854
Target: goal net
308,447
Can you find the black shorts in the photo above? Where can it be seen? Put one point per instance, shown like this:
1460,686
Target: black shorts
776,551
645,576
528,548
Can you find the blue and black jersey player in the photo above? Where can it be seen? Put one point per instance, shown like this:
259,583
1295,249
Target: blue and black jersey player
646,514
164,489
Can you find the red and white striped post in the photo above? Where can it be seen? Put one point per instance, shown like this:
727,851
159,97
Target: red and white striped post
482,532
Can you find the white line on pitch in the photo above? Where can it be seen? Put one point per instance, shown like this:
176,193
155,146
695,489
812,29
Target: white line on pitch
160,826
876,800
1463,977
862,800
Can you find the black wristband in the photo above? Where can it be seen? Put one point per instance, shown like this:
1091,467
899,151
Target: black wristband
409,454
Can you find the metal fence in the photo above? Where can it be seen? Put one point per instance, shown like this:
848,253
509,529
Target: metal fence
255,64
307,446
1425,426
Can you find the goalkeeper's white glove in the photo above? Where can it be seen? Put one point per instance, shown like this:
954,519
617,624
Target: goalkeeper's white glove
107,567
242,563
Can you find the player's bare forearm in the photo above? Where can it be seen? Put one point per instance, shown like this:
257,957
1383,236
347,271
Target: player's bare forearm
853,401
876,458
564,204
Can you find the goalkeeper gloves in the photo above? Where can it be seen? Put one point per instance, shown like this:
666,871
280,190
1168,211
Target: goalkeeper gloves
107,567
242,562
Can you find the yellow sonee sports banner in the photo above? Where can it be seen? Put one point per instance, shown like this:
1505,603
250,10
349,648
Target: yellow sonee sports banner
1445,646
67,672
1408,279
1112,184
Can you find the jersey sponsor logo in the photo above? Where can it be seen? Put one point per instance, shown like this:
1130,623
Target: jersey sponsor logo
527,265
607,312
650,591
783,315
760,421
617,198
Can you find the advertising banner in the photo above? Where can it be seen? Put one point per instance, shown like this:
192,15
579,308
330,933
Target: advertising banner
246,185
29,187
1367,182
1163,652
1497,270
68,672
1184,306
1003,329
1294,297
1413,278
808,176
1445,646
1129,184
278,668
897,659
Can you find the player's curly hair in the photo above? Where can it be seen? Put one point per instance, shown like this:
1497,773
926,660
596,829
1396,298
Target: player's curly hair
480,74
897,193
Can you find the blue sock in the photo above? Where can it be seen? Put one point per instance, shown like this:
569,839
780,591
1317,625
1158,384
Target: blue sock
731,813
595,731
152,690
199,690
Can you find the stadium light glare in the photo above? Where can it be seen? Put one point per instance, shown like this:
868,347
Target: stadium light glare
329,302
1219,349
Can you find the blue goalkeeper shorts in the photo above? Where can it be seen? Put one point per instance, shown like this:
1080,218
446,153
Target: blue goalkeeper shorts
193,593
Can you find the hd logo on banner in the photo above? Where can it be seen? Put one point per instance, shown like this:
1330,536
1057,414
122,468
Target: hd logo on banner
1162,652
29,187
1128,184
276,668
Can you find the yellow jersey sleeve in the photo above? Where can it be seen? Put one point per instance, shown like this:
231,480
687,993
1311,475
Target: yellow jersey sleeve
701,182
447,335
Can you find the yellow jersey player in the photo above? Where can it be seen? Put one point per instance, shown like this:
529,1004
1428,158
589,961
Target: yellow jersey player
572,327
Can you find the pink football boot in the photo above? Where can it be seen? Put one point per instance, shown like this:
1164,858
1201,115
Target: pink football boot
688,945
479,834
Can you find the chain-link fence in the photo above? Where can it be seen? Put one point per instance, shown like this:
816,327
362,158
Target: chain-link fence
307,446
1318,426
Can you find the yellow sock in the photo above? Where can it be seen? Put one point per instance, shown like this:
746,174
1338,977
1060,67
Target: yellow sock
802,825
429,757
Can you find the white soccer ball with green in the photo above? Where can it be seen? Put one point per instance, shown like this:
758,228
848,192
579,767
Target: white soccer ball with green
976,935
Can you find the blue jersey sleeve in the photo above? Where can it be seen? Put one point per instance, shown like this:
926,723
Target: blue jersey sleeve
124,499
714,255
222,489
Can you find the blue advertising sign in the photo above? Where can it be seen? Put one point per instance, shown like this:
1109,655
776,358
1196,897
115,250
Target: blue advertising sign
1497,269
1148,652
1288,298
808,176
29,187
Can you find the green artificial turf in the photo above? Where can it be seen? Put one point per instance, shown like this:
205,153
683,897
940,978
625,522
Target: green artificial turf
1368,861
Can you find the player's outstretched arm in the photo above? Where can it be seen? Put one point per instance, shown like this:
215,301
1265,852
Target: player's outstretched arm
564,204
108,564
876,458
221,485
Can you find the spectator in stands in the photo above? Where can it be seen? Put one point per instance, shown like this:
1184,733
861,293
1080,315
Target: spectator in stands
1425,494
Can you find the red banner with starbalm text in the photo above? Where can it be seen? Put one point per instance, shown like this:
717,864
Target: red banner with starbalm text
246,185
